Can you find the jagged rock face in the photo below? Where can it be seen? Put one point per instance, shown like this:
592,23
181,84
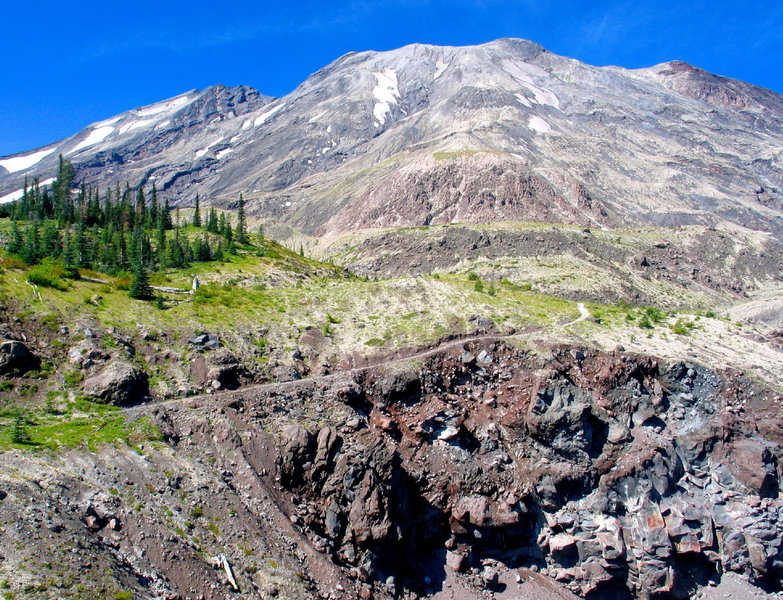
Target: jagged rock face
614,475
427,134
617,475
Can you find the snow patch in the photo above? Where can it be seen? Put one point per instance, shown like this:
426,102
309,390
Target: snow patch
538,124
107,122
263,117
156,109
329,129
523,100
440,67
387,94
544,96
223,153
20,163
524,72
136,125
325,150
201,153
18,193
165,123
316,117
96,135
247,124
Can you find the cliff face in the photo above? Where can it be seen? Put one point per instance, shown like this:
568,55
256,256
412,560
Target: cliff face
427,134
469,468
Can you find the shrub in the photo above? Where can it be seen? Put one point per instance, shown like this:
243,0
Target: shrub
682,327
473,277
48,275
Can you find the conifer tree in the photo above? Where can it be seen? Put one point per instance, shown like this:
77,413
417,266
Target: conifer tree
197,213
154,208
16,242
241,235
212,221
140,288
167,224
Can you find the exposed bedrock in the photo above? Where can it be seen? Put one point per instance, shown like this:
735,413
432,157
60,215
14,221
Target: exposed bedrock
617,475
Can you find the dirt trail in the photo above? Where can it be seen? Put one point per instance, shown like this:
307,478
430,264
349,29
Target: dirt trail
583,312
315,379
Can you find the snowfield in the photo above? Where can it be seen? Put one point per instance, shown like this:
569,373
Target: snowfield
263,117
96,135
538,124
387,94
20,163
18,193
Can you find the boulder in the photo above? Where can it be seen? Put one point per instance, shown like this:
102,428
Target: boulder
455,561
118,383
15,357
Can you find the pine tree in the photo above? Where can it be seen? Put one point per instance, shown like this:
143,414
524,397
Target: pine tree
69,256
167,224
241,235
141,207
140,288
16,242
197,213
19,433
212,221
154,208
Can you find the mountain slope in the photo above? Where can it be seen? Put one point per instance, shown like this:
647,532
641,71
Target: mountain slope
425,135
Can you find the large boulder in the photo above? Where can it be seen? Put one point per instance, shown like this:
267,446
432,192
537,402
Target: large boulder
118,383
15,357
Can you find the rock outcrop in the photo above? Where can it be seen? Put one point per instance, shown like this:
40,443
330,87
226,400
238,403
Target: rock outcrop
609,475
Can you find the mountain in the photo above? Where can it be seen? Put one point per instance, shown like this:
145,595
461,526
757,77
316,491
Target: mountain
428,135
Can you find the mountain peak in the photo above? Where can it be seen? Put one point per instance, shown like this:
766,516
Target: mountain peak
436,134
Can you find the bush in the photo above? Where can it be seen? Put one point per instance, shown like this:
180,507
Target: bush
473,277
48,275
682,327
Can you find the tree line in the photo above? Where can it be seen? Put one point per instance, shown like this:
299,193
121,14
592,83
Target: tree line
119,230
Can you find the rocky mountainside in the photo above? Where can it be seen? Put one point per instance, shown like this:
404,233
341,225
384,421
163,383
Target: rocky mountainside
426,135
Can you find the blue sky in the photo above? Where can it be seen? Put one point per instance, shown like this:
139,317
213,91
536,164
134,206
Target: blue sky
67,64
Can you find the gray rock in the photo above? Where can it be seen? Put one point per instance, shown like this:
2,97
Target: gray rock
15,357
118,383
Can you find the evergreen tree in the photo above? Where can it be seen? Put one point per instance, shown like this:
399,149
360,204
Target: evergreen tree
140,288
241,235
212,221
197,213
69,256
16,242
154,208
19,433
167,224
141,207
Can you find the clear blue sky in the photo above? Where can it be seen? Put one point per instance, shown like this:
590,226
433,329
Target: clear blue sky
67,64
